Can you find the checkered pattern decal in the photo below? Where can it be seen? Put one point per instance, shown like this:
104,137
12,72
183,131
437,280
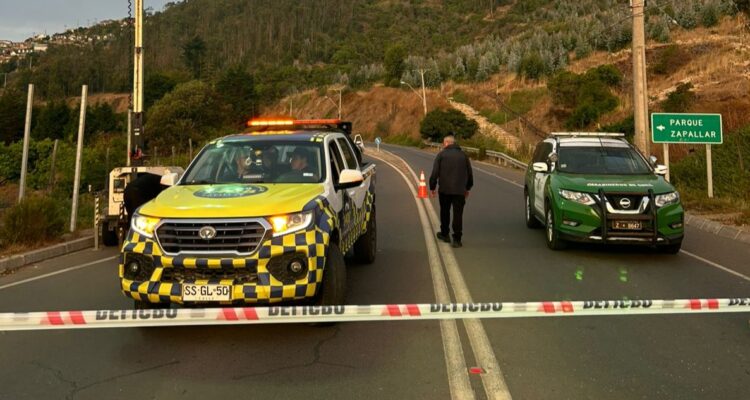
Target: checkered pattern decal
312,242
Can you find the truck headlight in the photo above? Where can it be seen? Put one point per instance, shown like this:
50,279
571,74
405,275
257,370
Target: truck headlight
283,224
578,197
144,225
666,199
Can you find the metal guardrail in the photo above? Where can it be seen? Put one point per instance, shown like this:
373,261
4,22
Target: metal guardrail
501,158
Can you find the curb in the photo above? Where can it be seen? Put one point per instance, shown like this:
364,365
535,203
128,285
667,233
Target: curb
717,228
46,253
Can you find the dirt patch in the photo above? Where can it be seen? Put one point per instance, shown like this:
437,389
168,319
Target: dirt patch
120,102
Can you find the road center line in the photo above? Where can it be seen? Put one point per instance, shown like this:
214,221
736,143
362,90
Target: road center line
36,278
493,381
458,378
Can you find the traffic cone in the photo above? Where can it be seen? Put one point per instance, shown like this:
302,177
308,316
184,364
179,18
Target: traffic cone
422,193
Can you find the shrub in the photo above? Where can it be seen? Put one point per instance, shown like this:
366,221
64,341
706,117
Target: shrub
532,66
680,99
438,124
33,220
585,97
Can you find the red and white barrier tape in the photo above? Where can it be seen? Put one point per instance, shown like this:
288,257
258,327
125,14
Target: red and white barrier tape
354,313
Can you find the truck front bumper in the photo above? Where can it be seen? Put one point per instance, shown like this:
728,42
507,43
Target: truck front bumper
261,277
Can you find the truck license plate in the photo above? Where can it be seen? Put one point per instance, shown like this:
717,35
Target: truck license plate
627,225
192,292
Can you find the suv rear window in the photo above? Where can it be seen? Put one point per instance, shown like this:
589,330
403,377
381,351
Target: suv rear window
602,160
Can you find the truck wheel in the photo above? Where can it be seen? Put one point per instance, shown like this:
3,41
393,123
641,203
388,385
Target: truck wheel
332,291
531,221
552,235
367,245
110,237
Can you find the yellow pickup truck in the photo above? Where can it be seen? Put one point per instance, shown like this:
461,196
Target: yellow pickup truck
259,217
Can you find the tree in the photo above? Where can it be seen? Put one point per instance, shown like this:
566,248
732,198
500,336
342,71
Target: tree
192,55
532,66
394,64
680,99
51,121
192,110
155,87
12,114
237,89
438,124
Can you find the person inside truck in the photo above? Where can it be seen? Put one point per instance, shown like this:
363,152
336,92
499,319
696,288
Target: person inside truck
301,169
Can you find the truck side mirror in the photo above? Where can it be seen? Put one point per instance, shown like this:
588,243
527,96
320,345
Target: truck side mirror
360,143
652,160
170,179
349,178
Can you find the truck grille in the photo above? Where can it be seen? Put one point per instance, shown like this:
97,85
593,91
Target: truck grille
189,275
228,236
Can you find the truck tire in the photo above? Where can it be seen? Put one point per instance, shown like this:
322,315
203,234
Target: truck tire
147,305
367,245
110,237
332,291
672,248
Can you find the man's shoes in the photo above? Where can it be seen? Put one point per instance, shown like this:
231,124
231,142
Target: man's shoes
442,237
457,244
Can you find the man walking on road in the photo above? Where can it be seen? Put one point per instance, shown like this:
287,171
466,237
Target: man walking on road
452,174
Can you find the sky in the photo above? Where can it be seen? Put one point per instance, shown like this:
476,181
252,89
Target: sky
22,19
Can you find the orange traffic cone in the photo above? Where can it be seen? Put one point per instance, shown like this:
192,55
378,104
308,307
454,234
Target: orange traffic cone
422,193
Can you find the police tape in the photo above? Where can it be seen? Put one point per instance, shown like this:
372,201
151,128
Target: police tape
359,313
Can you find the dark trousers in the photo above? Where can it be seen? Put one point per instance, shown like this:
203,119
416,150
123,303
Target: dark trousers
455,201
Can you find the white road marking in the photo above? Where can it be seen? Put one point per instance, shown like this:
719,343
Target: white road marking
715,265
458,378
514,183
492,380
36,278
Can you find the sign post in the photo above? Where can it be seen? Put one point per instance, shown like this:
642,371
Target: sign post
689,129
377,143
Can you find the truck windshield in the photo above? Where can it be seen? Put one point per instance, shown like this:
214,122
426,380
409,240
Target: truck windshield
601,160
257,162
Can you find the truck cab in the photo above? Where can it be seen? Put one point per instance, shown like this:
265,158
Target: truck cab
264,216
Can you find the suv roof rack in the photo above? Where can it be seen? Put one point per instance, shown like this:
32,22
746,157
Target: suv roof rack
283,124
587,134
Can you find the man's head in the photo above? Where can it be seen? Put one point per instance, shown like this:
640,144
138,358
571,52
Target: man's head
299,159
269,156
449,140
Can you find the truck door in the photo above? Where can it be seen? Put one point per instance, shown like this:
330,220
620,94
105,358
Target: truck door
354,204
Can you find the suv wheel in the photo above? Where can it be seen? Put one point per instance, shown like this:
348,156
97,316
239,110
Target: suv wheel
332,291
531,221
147,305
367,245
552,235
673,248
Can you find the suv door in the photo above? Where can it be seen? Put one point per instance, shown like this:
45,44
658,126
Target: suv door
540,178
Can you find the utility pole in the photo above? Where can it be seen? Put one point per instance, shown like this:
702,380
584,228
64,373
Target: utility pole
424,94
640,88
137,117
79,152
26,138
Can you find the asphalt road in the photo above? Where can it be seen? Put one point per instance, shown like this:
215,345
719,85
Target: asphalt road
617,357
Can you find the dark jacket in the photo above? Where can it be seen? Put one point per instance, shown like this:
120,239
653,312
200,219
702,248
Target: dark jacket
452,171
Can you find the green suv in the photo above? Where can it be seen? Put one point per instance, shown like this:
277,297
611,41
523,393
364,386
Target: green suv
597,188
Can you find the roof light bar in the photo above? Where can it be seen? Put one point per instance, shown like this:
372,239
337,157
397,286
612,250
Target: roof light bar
270,122
587,134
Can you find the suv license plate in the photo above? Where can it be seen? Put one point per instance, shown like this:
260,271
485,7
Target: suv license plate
627,225
192,292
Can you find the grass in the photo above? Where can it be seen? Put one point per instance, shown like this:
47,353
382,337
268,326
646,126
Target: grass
697,201
520,101
403,139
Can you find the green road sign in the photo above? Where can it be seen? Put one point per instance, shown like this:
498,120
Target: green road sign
686,128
